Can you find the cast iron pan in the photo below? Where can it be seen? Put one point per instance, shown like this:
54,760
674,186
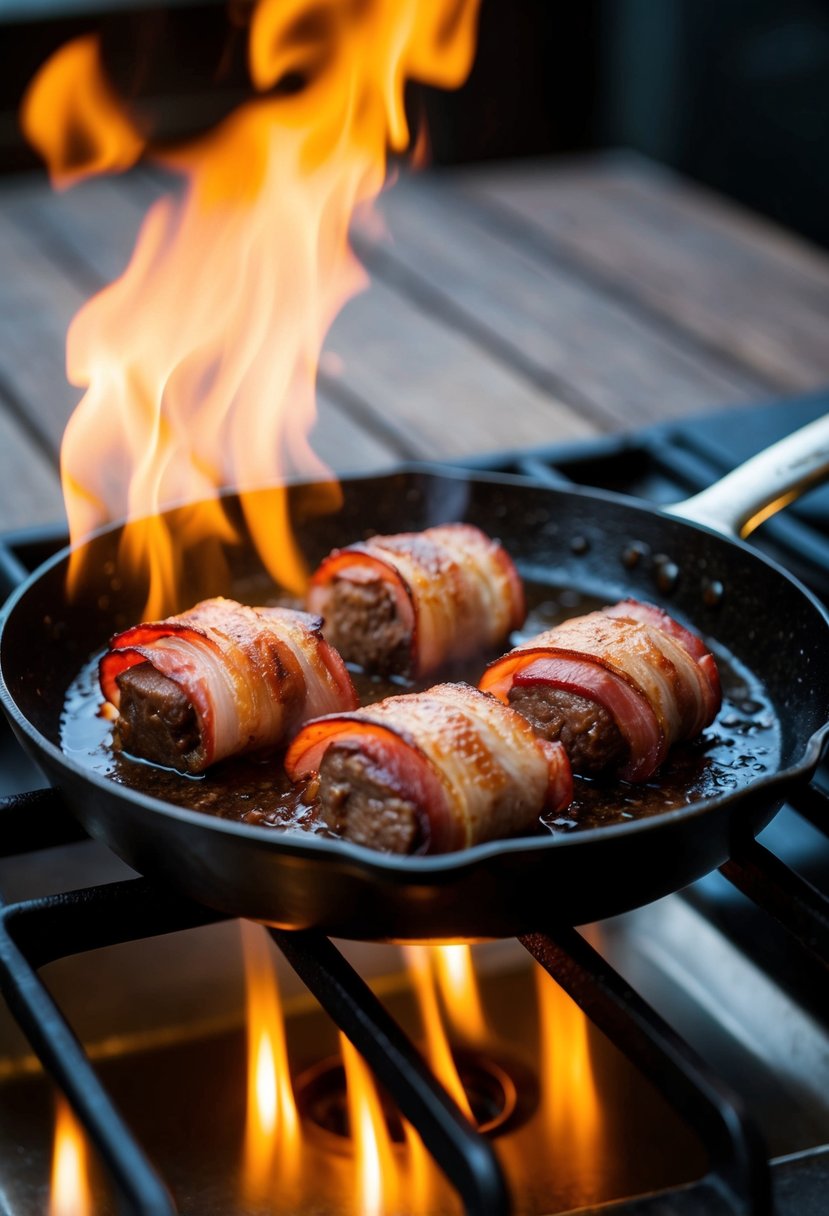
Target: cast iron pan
578,538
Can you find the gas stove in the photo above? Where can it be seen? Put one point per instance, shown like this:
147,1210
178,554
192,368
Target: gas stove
672,1060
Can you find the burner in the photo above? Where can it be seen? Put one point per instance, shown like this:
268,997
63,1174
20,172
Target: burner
502,1094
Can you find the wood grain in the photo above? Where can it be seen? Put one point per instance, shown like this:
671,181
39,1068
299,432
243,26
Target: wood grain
748,292
443,393
566,336
29,489
37,302
510,307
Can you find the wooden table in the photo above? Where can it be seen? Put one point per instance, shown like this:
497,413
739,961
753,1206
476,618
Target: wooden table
513,306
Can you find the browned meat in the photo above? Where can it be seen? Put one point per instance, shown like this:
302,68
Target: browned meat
358,804
590,736
363,624
156,719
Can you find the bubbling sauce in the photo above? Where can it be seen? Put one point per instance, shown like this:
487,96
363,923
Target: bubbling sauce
740,746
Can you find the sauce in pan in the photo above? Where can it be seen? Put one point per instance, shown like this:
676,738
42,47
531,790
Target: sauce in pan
739,747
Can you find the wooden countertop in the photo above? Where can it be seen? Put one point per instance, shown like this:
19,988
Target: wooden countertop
509,306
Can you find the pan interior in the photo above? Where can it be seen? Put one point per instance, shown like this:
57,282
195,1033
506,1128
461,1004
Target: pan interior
740,747
579,543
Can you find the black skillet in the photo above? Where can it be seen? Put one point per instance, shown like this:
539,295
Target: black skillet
602,544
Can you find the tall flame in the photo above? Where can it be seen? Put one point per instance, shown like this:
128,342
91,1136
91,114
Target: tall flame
272,1142
376,1167
459,989
70,1190
569,1098
199,363
438,1050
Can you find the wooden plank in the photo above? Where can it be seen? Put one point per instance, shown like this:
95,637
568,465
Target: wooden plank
441,392
346,445
564,334
88,231
757,296
29,487
37,303
397,359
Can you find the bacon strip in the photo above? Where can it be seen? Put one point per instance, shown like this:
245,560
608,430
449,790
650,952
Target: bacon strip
474,768
252,675
456,592
657,680
690,642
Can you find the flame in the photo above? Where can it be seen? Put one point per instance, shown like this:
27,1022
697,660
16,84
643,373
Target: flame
419,960
421,1173
569,1098
70,1191
376,1166
272,1139
199,363
459,990
72,115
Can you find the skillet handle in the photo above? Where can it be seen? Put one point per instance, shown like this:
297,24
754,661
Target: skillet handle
772,479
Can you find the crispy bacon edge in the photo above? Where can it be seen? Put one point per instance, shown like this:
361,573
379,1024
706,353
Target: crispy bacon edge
301,660
591,676
412,773
382,557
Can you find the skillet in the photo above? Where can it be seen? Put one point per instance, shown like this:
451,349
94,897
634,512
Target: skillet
684,558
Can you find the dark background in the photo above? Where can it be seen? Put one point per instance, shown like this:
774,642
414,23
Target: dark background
732,93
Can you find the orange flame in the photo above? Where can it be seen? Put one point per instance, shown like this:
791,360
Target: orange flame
72,115
569,1098
70,1190
419,960
272,1138
459,990
199,363
376,1166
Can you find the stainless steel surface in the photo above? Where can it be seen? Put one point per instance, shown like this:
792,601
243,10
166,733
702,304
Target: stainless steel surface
739,502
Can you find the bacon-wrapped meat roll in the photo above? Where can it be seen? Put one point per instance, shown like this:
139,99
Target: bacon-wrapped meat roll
219,680
618,687
431,771
406,604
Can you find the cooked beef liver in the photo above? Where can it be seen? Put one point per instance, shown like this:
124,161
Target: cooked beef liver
362,623
590,736
359,805
156,722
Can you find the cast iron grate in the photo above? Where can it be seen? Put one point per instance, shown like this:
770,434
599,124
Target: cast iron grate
662,464
39,931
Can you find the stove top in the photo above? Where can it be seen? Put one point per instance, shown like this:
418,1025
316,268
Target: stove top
708,1010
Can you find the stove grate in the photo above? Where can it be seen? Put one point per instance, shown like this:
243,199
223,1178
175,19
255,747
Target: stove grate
36,932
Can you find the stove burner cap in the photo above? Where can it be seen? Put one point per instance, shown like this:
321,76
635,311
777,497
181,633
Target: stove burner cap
496,1094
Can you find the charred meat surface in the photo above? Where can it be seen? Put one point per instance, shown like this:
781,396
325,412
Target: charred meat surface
359,804
363,624
590,736
156,720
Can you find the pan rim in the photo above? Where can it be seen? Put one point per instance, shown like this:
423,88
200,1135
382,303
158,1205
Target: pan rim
293,842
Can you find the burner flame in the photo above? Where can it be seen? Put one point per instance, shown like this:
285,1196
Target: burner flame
570,1102
419,960
272,1138
459,990
376,1166
70,1194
